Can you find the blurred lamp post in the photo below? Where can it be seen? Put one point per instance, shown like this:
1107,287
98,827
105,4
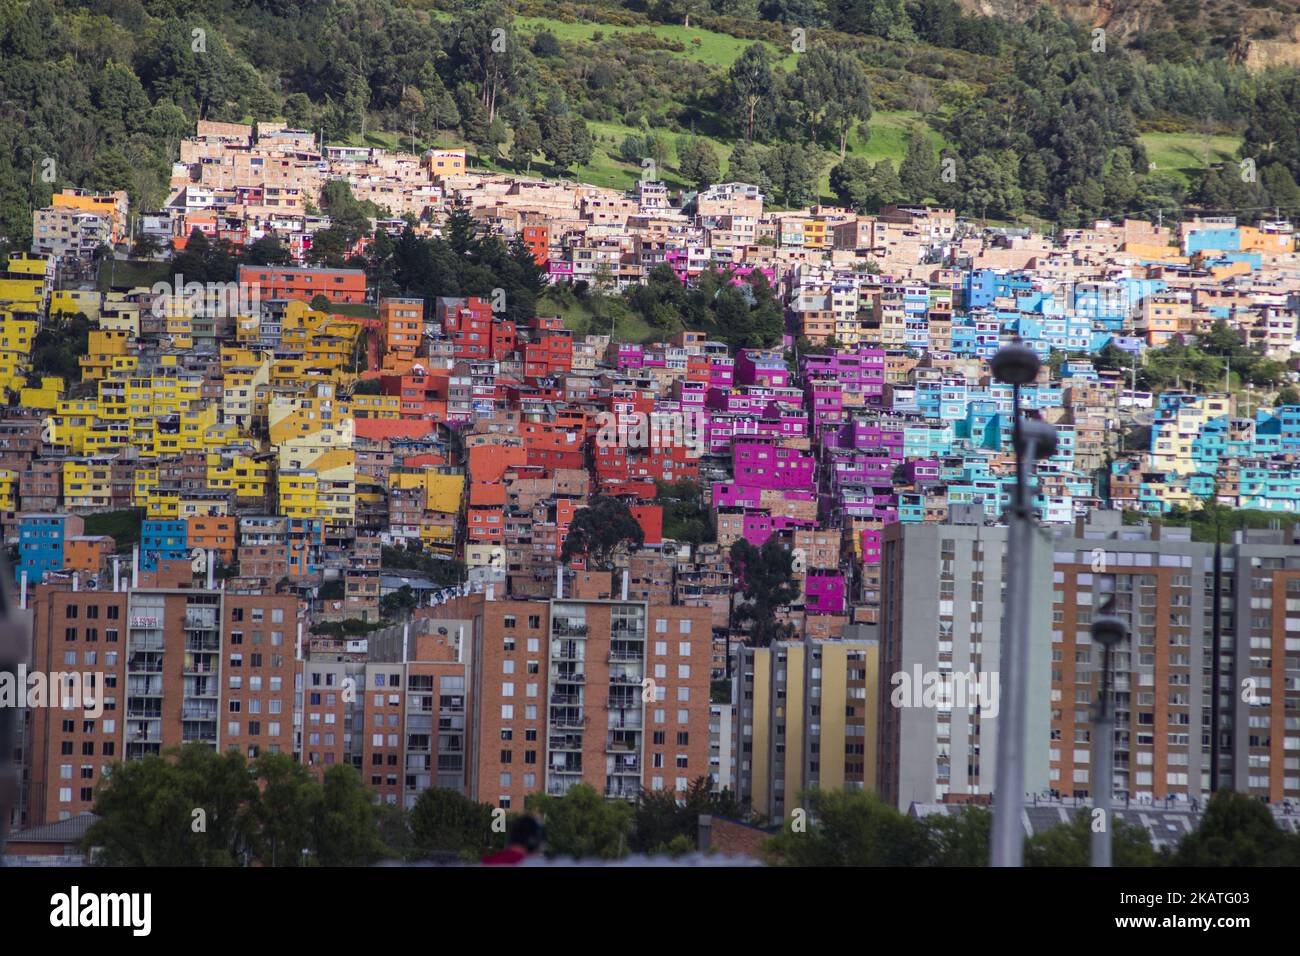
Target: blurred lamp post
1016,365
1107,631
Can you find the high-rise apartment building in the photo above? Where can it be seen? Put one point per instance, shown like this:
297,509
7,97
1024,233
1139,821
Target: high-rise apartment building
607,692
1161,584
806,718
941,688
159,668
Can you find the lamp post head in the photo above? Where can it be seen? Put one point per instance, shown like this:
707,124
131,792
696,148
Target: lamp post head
1109,631
1015,364
1038,438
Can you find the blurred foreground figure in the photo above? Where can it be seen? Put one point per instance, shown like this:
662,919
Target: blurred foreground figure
524,840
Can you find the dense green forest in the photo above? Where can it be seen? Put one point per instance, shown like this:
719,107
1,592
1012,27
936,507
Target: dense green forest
1003,120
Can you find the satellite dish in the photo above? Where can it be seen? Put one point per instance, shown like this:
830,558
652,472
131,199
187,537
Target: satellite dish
92,584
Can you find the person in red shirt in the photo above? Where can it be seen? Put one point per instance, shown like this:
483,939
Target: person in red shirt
524,840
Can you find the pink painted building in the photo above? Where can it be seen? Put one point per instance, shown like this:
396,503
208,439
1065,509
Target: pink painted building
769,466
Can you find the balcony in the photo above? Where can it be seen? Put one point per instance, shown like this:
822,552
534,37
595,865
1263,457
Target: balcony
622,790
569,631
568,721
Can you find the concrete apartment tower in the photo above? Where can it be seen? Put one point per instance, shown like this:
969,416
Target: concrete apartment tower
941,616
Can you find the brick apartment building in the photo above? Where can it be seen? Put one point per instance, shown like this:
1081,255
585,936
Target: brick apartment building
179,665
558,694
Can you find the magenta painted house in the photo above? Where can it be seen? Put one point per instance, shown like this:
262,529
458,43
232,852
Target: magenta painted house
827,400
692,395
824,593
630,356
761,367
758,527
859,372
721,371
728,495
768,466
871,544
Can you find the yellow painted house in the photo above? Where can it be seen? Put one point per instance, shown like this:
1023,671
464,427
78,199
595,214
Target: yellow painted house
87,483
76,302
102,349
239,472
8,490
17,335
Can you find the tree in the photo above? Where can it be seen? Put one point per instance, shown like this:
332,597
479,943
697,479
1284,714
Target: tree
528,142
744,165
697,162
269,251
766,578
671,11
344,824
583,824
599,530
798,13
566,141
1288,396
146,246
1273,124
147,810
546,44
662,818
990,186
793,172
497,134
284,809
959,839
750,82
848,828
446,821
1237,830
1070,844
1120,184
833,91
865,187
881,18
918,174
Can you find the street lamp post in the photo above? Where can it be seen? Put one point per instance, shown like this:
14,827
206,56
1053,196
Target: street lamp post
1108,632
1016,365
